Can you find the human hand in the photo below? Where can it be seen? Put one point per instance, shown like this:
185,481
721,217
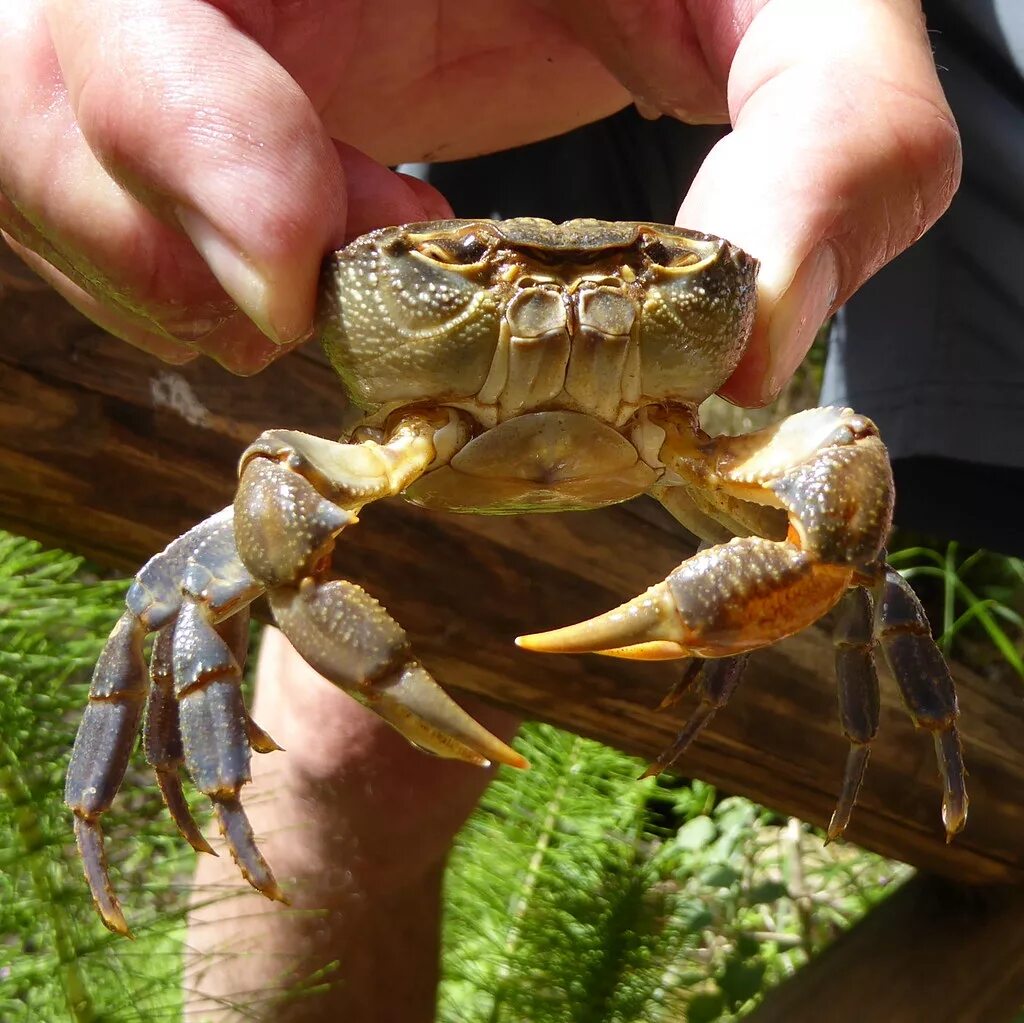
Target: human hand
165,163
843,150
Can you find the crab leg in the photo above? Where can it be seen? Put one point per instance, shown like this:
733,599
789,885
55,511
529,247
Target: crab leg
162,739
925,684
100,756
119,686
296,495
858,697
215,740
717,682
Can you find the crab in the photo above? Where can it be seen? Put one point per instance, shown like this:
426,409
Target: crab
506,367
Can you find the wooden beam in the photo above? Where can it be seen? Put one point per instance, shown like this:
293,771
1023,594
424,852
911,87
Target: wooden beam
105,451
935,950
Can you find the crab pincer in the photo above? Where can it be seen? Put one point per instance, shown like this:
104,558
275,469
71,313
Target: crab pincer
731,598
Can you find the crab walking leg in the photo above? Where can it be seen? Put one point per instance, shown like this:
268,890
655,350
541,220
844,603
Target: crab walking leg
162,731
925,684
204,559
827,469
162,739
718,681
215,738
295,495
100,756
854,641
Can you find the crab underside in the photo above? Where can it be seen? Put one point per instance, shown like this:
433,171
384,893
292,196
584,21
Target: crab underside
510,367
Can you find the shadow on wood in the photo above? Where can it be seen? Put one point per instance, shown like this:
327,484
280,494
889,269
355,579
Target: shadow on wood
107,452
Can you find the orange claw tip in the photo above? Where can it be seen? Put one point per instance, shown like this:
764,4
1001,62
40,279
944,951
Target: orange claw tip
835,830
954,817
275,892
260,740
264,882
499,753
113,919
494,751
516,760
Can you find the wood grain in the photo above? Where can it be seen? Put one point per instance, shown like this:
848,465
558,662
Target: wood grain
107,452
934,951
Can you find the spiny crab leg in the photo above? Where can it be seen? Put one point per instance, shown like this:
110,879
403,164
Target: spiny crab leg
717,682
208,687
200,567
100,757
162,739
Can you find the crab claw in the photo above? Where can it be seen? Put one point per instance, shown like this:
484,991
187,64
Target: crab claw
341,631
647,627
415,705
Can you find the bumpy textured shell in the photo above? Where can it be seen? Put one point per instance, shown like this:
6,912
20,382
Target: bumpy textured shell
401,327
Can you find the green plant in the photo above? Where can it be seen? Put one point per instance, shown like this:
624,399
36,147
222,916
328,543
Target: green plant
586,897
977,590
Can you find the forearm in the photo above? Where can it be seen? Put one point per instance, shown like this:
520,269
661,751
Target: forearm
356,825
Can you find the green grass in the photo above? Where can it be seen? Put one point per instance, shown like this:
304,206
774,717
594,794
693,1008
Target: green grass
977,600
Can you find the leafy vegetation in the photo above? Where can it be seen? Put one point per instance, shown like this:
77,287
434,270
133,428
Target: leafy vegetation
587,896
975,600
55,963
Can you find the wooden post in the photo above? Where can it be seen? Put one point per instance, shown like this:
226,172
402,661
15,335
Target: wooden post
105,451
934,951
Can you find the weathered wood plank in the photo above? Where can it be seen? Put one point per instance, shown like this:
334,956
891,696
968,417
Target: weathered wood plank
935,950
105,451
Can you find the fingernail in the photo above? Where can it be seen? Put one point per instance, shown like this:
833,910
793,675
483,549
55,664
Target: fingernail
236,274
799,315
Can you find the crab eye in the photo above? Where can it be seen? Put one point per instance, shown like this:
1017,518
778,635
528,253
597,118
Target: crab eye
656,252
471,249
459,252
660,254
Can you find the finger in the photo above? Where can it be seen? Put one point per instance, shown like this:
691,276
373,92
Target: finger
235,342
843,153
213,134
377,197
655,50
135,330
124,253
59,201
